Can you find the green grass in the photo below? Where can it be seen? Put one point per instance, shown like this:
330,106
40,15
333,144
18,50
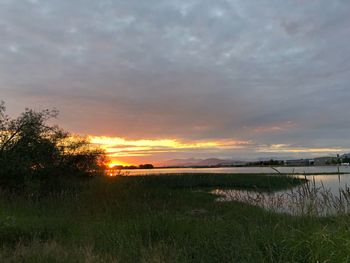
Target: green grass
210,180
164,219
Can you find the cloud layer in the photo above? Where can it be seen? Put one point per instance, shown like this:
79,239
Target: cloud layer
268,72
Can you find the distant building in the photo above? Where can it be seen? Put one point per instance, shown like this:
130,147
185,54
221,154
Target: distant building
299,162
325,160
346,155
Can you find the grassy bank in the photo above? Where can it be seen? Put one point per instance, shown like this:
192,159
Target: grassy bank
164,219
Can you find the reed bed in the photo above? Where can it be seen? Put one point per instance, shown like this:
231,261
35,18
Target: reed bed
307,199
164,219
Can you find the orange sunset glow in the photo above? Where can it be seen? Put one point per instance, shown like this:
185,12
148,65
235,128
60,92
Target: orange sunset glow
129,152
125,152
115,163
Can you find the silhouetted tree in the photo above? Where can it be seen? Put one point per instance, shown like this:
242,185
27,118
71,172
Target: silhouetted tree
31,149
146,166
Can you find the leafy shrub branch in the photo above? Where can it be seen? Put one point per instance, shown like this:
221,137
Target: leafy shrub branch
31,149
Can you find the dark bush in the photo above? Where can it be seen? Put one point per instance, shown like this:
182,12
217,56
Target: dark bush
33,151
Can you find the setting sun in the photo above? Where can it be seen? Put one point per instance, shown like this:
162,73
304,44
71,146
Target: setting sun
117,163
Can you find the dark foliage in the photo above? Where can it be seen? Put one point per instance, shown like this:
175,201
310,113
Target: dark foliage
146,166
34,152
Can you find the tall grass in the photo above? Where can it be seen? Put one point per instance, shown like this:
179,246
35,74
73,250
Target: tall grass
163,219
307,199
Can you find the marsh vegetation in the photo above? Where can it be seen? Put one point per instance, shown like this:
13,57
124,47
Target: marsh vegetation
168,218
320,195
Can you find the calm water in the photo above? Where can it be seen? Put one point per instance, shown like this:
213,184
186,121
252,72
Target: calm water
325,194
322,195
242,170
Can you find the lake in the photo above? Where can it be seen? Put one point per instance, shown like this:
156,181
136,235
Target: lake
325,193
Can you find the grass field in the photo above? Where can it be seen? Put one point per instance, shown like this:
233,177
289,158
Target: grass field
169,218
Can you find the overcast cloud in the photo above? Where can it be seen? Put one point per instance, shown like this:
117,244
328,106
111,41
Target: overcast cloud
268,72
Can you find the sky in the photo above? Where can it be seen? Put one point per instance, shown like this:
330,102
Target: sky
156,80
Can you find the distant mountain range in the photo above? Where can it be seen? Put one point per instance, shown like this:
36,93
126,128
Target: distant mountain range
191,162
194,162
